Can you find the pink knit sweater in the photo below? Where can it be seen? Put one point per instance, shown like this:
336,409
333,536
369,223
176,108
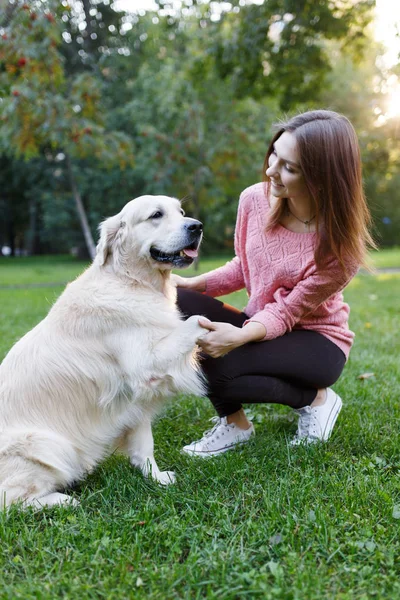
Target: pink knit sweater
278,270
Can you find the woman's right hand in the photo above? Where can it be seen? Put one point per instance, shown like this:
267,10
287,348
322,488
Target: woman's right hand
197,284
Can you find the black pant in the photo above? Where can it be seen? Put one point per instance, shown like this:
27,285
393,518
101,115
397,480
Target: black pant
287,370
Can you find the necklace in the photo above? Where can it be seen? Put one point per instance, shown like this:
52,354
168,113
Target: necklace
306,223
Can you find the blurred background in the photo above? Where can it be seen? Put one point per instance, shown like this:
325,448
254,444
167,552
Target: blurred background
103,101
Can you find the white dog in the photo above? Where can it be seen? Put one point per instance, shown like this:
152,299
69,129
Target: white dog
92,374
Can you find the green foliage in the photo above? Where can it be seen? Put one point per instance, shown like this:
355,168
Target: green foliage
32,72
198,144
44,108
276,47
178,102
359,92
49,111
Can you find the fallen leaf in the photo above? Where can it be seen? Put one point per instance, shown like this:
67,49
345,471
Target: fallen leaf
396,511
370,546
312,516
275,539
275,568
366,376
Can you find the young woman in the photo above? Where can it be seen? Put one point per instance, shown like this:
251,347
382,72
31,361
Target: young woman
300,237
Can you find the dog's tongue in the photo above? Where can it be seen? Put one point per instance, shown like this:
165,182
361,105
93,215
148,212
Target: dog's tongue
190,252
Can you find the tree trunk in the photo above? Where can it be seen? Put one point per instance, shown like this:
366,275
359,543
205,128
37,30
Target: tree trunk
81,211
8,13
9,229
86,8
86,33
196,205
11,234
31,245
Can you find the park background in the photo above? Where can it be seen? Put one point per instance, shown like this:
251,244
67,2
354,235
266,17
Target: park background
101,102
99,106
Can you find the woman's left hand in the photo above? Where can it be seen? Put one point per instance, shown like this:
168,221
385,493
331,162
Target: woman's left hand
220,339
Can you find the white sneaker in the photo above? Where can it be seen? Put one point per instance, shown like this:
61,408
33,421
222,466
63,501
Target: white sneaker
221,438
316,422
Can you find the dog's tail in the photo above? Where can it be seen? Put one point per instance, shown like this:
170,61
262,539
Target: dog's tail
33,464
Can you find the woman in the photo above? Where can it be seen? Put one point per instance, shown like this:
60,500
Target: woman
300,237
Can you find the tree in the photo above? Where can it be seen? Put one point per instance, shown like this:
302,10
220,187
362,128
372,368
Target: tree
45,111
199,146
276,48
14,204
194,95
359,91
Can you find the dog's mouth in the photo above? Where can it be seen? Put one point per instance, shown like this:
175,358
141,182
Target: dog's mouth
180,258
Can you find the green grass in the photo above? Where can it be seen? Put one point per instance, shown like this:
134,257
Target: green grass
39,270
265,522
386,258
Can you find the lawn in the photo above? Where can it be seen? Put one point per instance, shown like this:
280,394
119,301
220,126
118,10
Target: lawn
268,522
387,258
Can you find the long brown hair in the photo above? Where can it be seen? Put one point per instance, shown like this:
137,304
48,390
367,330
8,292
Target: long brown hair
331,165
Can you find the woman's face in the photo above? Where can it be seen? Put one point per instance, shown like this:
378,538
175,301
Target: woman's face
287,180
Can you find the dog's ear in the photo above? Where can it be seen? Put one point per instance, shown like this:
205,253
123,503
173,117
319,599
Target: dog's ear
111,235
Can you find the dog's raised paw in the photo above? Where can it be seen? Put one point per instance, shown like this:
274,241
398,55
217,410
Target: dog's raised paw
193,323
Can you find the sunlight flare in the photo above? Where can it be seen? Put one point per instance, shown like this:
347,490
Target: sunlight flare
393,103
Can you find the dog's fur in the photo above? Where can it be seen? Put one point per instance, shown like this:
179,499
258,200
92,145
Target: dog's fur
90,377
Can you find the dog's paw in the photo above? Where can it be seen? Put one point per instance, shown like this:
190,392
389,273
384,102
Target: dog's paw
196,328
165,477
54,499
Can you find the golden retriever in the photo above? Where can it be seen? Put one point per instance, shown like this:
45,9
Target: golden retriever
91,375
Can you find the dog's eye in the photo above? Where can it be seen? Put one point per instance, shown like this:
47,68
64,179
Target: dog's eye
157,215
182,212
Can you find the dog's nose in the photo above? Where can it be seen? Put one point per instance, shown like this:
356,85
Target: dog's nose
195,226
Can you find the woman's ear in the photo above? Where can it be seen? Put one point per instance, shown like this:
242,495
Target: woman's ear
111,238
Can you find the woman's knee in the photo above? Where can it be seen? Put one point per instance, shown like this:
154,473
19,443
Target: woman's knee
327,377
188,302
195,303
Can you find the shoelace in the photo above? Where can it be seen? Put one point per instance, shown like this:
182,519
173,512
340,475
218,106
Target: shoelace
306,423
217,420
